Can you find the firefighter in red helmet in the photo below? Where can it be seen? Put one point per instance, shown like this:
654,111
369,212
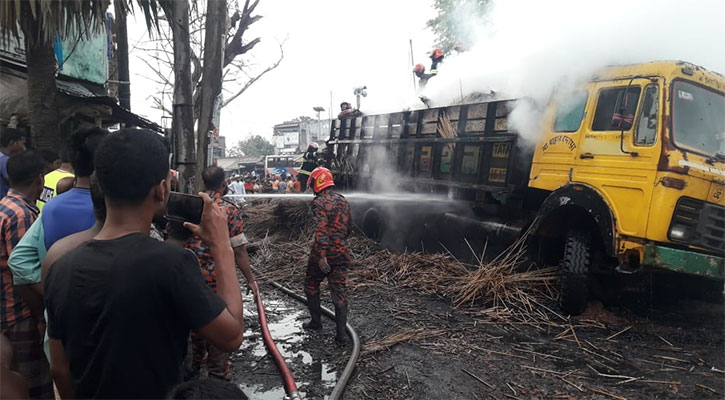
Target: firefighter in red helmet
436,57
419,71
330,255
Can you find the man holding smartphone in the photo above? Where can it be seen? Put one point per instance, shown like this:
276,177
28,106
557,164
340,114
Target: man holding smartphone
217,360
120,306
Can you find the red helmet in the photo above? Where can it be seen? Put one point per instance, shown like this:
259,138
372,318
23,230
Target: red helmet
314,145
419,69
320,178
436,53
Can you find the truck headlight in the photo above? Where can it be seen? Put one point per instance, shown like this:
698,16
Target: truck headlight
678,232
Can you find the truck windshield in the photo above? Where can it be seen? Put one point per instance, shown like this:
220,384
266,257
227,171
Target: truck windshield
698,118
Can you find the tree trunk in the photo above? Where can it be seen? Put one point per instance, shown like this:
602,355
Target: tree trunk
42,107
182,124
211,83
124,76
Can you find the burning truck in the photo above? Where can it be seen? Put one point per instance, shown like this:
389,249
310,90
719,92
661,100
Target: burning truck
628,174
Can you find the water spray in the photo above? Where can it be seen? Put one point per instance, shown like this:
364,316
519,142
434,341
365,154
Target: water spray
381,196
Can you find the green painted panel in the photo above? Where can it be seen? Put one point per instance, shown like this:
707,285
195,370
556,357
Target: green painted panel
684,261
83,57
89,60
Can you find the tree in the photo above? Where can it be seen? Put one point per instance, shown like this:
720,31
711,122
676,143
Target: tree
216,35
40,22
182,121
254,146
301,118
456,21
239,72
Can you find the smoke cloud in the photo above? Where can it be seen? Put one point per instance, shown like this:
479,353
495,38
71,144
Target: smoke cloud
534,48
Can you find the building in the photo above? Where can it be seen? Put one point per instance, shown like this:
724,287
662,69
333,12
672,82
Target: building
241,165
82,83
293,136
219,147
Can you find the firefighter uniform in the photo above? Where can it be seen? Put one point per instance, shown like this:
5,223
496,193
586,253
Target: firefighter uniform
309,163
333,222
331,214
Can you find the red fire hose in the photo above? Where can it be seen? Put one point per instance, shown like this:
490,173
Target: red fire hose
289,380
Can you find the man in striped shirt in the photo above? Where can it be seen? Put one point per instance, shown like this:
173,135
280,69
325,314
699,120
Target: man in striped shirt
22,322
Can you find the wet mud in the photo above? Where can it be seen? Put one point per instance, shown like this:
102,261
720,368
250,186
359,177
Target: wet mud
311,358
647,343
674,352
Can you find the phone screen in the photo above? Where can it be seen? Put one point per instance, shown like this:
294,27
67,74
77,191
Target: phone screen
184,207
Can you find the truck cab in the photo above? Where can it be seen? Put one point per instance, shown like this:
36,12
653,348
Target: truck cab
637,155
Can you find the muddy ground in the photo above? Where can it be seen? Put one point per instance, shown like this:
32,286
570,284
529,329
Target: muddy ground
419,347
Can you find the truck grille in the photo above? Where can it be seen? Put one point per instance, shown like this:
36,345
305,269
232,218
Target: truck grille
704,224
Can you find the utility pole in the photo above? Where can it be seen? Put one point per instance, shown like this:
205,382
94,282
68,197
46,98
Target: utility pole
124,81
318,110
412,64
182,123
211,83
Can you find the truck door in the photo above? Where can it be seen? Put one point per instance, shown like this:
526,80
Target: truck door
619,149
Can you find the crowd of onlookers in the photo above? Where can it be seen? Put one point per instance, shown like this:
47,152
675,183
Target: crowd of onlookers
253,184
91,301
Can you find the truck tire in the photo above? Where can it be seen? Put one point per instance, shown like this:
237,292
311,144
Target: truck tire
373,226
574,272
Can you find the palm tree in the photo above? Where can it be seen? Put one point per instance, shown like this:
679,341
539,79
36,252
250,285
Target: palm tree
40,22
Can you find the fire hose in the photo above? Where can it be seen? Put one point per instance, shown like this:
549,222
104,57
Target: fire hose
289,381
354,354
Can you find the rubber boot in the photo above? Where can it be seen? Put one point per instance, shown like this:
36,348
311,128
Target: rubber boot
313,303
341,321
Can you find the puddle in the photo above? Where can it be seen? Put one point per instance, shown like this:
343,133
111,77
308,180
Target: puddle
254,370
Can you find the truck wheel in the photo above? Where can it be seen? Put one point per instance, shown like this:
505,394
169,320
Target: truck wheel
574,272
373,225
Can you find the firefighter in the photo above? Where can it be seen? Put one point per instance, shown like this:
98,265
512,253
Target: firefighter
419,71
346,111
309,163
459,47
436,57
329,256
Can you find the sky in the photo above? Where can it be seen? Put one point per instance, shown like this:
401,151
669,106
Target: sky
521,48
331,46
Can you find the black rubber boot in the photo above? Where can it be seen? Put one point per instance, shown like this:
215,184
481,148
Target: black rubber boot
313,303
341,321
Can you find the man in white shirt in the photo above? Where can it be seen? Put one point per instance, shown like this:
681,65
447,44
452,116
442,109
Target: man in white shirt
237,187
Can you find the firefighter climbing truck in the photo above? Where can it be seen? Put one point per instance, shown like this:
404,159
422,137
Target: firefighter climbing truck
626,174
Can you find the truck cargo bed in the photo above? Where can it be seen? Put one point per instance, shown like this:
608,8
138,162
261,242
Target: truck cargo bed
467,146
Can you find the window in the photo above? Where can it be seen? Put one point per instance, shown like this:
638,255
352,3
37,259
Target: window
570,111
698,118
614,111
469,164
647,125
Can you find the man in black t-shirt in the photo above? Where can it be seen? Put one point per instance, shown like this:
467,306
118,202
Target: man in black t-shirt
120,307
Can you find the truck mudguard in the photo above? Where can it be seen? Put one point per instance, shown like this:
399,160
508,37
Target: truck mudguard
586,198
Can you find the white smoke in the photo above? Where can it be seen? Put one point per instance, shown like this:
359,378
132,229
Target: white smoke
531,48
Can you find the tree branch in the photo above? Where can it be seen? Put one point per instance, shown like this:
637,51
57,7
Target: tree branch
164,79
236,46
159,104
196,73
256,78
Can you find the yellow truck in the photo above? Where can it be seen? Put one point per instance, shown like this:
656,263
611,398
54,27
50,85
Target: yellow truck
628,172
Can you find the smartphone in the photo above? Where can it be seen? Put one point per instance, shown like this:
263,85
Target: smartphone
184,207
